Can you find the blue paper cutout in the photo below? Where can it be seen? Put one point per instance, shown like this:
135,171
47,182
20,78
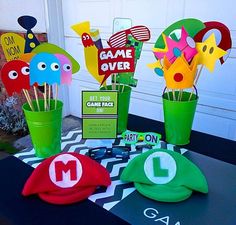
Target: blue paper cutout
28,22
159,72
177,52
45,68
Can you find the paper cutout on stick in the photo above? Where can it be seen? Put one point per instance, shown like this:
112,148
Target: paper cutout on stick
54,49
174,49
222,35
26,57
209,53
13,45
90,50
191,25
115,60
15,76
66,69
158,68
119,39
45,68
28,22
180,74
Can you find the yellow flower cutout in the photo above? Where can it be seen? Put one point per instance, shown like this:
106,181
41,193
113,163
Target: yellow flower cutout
209,52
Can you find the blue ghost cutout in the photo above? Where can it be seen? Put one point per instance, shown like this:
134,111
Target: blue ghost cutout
45,68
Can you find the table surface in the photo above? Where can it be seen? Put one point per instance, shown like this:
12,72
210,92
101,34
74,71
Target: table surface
121,197
205,144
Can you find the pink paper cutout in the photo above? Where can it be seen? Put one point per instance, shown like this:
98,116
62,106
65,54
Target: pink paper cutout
66,69
185,45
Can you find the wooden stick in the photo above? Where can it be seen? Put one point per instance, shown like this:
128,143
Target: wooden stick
168,95
198,75
191,94
123,88
36,97
173,92
45,96
112,76
49,97
56,96
115,80
27,98
181,94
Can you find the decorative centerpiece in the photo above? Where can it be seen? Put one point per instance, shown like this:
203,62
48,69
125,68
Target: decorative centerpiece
45,65
118,60
182,50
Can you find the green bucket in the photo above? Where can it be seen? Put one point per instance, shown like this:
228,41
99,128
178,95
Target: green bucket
45,128
178,117
123,105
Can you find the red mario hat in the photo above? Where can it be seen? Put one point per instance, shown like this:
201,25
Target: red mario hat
66,178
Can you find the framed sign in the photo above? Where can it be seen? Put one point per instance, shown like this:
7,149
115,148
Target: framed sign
99,114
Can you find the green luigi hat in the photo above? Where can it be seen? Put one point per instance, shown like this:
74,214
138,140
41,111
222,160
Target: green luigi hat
165,176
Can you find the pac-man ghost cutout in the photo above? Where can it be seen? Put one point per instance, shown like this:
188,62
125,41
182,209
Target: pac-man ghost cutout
45,68
15,76
54,49
66,69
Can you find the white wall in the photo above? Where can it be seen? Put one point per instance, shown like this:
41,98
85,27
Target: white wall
11,10
216,111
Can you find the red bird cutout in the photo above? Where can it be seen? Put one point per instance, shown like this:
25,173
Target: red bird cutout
15,76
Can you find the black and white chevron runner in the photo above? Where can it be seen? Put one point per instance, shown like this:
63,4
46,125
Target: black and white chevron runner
107,198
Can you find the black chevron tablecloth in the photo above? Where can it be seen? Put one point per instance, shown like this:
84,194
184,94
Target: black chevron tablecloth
121,199
72,142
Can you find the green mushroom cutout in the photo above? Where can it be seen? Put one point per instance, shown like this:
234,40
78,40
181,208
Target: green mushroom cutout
165,176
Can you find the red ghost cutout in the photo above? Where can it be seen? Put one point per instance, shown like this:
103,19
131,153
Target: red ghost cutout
15,76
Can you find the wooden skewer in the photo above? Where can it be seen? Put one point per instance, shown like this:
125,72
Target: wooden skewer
28,100
181,94
198,75
123,88
191,94
49,97
56,96
195,82
36,97
168,95
173,92
45,96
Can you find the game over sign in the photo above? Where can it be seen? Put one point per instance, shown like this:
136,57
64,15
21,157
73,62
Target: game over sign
115,60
